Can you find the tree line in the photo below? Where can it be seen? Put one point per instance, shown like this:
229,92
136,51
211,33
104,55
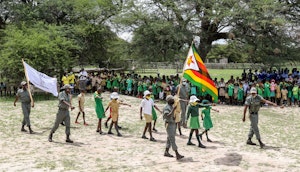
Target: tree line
55,35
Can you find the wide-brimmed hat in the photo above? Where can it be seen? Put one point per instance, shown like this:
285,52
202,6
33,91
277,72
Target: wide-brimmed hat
146,93
253,90
169,97
114,95
193,99
205,103
23,83
67,86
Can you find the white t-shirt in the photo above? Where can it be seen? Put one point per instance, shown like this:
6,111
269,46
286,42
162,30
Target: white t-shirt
147,106
83,75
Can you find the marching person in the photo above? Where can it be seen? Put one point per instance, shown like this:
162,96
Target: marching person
24,97
207,122
146,109
193,111
253,103
114,105
99,108
63,114
169,118
81,100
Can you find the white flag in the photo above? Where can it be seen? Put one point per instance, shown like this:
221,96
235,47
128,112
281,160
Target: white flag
40,80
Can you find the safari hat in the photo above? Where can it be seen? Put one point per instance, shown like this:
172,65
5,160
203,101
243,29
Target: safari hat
114,95
67,86
193,99
169,97
253,90
23,83
146,93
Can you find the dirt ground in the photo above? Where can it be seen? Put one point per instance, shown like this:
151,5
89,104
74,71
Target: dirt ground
90,151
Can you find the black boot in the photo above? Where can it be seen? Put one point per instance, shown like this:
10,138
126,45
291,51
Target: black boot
178,156
190,137
68,139
50,137
249,142
167,154
23,129
30,130
199,143
261,144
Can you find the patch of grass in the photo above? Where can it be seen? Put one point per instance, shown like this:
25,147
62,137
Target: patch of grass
51,165
69,164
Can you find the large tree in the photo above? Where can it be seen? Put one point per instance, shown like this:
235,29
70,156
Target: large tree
256,26
55,35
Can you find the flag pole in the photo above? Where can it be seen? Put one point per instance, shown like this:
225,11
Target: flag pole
178,91
27,80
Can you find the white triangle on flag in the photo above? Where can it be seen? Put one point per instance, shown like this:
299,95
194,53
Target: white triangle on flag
190,62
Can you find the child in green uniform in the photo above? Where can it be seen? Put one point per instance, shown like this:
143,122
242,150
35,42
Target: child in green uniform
230,92
99,108
240,95
207,123
193,111
140,88
295,94
267,91
154,115
108,84
129,83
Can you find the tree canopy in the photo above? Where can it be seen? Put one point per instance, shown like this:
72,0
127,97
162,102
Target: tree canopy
55,35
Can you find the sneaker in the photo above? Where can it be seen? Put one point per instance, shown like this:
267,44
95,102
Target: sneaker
119,134
144,137
110,132
97,131
209,140
23,130
77,122
155,130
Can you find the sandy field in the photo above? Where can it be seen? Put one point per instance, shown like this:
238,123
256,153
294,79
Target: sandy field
91,151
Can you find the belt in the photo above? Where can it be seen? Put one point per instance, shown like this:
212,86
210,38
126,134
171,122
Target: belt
62,109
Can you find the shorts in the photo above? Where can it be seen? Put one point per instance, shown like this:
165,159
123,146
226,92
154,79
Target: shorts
148,118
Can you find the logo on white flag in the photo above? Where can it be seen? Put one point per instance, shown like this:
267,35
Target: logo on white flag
190,62
41,80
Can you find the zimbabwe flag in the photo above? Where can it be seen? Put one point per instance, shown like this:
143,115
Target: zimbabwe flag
195,71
